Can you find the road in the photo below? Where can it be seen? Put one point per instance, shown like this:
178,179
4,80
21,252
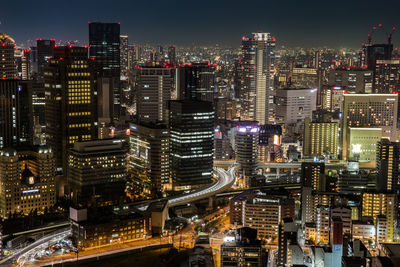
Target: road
225,181
34,246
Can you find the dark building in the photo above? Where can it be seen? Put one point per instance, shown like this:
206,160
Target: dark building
387,165
289,251
8,68
70,101
171,54
97,171
196,82
104,48
16,126
242,249
191,126
44,50
374,52
313,175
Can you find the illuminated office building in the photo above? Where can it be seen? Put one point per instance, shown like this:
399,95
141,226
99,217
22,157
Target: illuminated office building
387,76
387,165
322,224
124,53
257,76
70,101
247,139
370,111
313,175
97,171
332,98
304,78
321,138
28,181
357,81
375,204
153,91
242,248
8,68
148,159
44,51
294,105
191,125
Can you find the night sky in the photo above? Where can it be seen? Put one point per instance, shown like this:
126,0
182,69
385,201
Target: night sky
294,23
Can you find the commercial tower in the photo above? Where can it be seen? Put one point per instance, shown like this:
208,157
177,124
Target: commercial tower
28,181
368,111
97,171
70,100
104,48
387,163
196,82
124,54
8,69
16,125
247,139
172,54
153,91
257,77
191,126
44,50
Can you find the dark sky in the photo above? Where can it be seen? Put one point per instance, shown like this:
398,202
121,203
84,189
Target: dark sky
294,23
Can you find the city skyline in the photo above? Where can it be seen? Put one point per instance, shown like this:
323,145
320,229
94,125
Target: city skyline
308,25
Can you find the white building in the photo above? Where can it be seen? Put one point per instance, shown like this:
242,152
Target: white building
294,105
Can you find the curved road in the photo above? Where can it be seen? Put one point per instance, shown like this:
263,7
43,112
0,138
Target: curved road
225,182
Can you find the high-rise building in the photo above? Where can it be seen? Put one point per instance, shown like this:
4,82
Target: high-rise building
196,82
191,125
323,224
387,165
313,175
357,80
44,50
16,120
257,76
247,139
104,48
387,76
304,78
332,98
97,171
375,204
8,68
242,248
70,101
148,159
172,54
28,181
289,251
26,70
294,105
124,54
269,145
368,110
321,138
153,91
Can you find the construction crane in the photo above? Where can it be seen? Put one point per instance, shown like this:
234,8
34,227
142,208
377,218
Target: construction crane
380,27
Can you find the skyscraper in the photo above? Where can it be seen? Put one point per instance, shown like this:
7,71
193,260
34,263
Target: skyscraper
387,76
70,101
44,50
16,126
196,82
387,165
104,48
370,111
247,150
153,91
172,54
124,54
191,126
8,69
257,74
